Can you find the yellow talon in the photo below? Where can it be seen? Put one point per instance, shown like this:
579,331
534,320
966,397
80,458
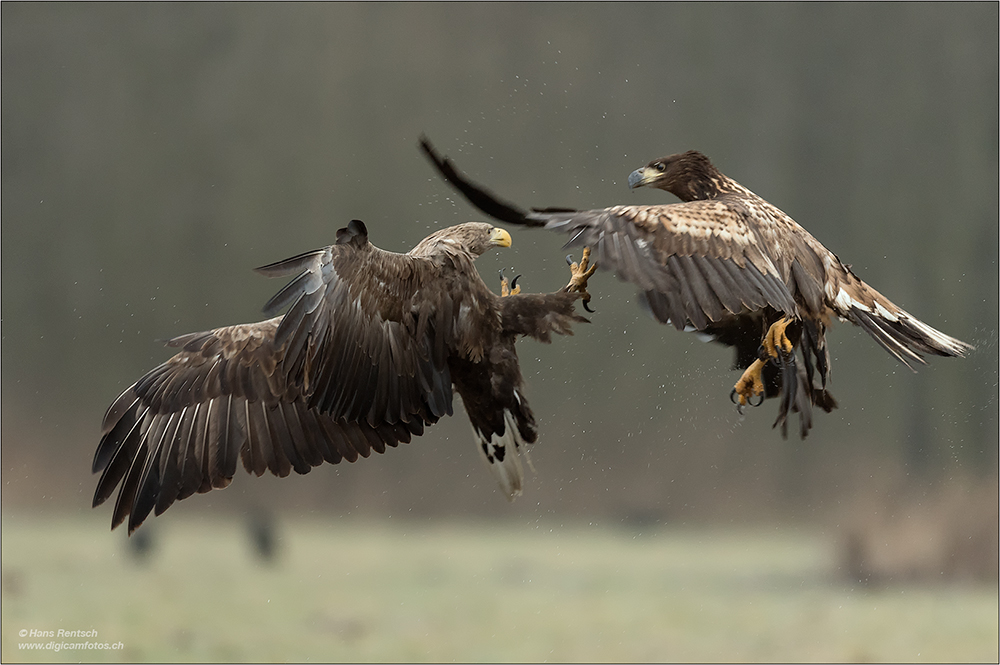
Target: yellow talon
579,274
505,288
775,340
750,384
776,346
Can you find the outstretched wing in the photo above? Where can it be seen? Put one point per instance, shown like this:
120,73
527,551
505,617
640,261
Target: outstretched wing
182,427
367,332
359,362
695,262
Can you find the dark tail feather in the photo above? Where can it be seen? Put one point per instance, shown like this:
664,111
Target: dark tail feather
790,396
793,383
476,195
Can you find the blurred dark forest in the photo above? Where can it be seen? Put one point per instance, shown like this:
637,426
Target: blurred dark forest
154,153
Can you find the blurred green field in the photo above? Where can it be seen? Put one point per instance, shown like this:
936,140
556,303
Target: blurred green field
429,591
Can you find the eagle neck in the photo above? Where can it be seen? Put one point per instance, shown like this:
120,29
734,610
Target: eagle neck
703,186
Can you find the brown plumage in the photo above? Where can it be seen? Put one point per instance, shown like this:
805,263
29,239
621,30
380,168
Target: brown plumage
366,356
726,263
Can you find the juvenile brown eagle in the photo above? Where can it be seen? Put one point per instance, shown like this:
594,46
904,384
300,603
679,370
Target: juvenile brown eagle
367,355
728,264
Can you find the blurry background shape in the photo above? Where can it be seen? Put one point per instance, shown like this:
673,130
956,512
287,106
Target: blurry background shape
263,534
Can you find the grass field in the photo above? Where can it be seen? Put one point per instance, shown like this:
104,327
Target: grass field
352,591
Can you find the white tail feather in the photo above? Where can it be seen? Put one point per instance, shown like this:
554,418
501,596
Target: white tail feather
942,341
501,455
901,333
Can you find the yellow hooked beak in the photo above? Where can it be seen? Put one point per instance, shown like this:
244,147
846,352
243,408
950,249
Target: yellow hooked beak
499,237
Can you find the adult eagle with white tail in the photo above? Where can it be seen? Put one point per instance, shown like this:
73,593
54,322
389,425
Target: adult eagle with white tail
726,263
368,354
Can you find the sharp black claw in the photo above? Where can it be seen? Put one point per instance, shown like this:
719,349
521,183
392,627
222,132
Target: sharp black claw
587,307
732,398
569,259
513,284
501,274
739,407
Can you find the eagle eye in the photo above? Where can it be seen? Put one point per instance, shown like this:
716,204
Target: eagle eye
661,167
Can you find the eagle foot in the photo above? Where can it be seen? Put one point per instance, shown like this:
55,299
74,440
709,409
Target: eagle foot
749,386
579,274
506,289
774,348
776,344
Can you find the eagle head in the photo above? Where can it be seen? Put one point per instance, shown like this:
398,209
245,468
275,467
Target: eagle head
474,238
689,176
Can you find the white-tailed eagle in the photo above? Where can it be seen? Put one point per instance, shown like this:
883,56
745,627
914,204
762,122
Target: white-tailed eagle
726,263
368,354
